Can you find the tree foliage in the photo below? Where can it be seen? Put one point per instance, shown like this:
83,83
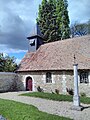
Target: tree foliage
7,64
88,26
62,19
53,20
80,29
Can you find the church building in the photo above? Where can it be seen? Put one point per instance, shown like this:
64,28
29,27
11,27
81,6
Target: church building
50,65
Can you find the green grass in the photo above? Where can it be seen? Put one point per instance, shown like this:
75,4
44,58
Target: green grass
50,96
57,97
19,111
85,100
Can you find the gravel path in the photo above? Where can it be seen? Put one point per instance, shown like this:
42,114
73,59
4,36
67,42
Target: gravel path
49,106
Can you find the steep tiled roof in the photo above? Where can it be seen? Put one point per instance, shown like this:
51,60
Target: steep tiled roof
59,55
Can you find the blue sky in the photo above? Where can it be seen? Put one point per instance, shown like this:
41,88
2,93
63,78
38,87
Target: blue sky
17,19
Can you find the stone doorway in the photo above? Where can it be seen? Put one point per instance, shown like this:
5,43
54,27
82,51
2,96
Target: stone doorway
29,83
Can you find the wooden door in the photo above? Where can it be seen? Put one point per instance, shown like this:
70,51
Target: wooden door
29,85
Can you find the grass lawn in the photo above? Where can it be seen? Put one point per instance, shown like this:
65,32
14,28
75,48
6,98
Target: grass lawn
19,111
57,97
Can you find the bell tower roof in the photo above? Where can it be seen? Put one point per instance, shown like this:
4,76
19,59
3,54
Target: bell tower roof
35,39
35,33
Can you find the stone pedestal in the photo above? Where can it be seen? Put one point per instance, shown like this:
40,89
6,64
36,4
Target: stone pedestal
76,98
78,108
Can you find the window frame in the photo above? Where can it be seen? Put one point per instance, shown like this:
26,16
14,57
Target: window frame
84,77
48,77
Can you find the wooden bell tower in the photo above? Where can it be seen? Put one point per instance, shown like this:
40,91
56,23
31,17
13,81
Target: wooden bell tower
35,39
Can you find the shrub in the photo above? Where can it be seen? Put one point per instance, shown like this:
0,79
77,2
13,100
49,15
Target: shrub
56,91
70,91
39,89
83,94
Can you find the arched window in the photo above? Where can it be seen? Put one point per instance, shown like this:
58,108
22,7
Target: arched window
48,77
84,77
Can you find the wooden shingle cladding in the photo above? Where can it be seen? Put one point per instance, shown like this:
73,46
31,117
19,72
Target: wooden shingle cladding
59,55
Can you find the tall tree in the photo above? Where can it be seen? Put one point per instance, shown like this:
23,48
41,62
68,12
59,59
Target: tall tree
53,19
7,64
62,19
42,19
2,62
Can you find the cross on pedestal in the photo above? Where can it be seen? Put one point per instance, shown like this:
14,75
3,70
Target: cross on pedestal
76,98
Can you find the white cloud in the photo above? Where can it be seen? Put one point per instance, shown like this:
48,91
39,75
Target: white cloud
18,61
4,49
16,21
17,18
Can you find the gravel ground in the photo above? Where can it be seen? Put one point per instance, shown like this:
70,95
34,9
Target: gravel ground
49,106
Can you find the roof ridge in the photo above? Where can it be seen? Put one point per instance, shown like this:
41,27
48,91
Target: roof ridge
66,40
59,55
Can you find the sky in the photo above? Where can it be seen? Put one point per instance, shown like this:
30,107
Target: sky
18,17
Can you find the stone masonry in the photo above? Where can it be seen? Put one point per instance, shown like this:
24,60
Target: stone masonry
60,80
10,82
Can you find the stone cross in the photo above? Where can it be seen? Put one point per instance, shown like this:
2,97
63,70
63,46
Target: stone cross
76,98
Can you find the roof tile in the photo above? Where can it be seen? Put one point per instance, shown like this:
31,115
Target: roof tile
59,55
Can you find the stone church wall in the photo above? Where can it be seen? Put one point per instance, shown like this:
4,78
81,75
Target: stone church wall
60,80
84,88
